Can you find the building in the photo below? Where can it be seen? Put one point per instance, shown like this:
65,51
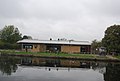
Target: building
65,46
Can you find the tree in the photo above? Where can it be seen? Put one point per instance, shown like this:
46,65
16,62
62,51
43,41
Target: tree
95,45
111,39
10,34
26,37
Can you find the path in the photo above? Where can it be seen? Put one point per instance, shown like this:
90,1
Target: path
110,56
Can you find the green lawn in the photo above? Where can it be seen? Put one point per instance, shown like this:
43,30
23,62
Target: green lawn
117,56
58,54
89,56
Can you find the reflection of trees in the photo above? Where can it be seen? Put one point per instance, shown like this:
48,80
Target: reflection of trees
8,65
112,72
100,66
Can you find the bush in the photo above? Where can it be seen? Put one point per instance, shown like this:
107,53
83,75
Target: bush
9,46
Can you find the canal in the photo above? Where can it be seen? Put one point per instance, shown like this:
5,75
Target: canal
46,69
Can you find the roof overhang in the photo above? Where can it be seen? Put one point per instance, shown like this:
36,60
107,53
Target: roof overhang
67,42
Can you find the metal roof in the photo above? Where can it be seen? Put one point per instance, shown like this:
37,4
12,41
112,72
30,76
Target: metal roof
71,42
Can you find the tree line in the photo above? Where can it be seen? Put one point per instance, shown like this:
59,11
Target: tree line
111,40
9,35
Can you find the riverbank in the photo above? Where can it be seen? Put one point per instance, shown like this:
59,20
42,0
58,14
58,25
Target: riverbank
93,57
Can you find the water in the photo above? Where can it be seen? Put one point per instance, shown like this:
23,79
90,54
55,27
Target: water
44,69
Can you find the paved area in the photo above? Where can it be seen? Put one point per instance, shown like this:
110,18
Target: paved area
110,56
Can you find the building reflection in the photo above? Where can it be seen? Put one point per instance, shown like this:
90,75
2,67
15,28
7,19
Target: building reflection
47,62
110,71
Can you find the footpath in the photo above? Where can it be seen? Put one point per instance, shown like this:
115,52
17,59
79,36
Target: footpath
111,57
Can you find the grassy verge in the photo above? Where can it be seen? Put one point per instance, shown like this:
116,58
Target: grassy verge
89,56
84,56
117,56
58,54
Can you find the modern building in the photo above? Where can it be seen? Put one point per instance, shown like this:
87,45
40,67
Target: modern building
65,46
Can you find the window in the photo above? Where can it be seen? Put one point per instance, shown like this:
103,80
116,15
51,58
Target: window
27,46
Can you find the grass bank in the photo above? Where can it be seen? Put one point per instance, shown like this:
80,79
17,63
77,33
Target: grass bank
118,57
13,52
60,55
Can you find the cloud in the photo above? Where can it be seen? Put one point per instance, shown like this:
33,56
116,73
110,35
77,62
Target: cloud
71,19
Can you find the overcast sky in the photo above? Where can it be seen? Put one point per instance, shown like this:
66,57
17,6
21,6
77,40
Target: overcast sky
70,19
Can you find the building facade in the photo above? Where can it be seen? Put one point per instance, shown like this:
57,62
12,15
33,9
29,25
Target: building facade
56,46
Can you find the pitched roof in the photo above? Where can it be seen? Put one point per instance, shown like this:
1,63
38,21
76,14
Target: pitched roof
71,42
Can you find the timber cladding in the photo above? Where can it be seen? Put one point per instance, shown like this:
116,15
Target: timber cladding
60,48
38,48
55,46
70,49
42,48
35,48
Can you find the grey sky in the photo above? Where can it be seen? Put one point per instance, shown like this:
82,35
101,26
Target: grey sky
71,19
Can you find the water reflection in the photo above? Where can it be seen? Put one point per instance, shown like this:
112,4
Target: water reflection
110,71
62,63
8,65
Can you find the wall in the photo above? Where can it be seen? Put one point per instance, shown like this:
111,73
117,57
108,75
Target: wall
36,48
63,48
42,48
70,49
39,48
